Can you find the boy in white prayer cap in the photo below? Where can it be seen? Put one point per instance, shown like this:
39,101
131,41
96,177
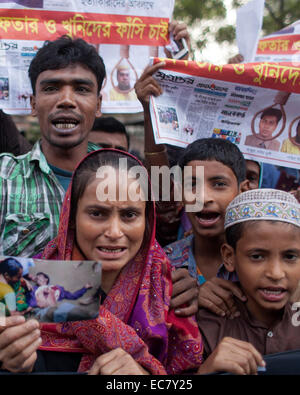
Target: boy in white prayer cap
263,248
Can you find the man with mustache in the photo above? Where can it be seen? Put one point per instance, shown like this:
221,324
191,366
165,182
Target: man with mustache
66,77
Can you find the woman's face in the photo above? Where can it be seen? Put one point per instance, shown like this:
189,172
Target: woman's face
14,279
110,231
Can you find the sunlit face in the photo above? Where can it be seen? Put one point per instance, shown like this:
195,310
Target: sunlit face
66,103
220,188
267,126
267,262
253,173
109,140
123,77
112,231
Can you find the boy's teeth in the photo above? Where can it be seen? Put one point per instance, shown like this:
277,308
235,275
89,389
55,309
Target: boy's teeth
267,291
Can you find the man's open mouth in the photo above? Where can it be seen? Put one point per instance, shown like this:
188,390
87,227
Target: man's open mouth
64,124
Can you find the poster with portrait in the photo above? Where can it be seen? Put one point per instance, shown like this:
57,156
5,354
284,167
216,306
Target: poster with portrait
49,291
254,105
125,33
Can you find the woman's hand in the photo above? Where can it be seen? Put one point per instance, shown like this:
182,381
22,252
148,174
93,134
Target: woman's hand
233,356
19,340
117,362
217,294
185,292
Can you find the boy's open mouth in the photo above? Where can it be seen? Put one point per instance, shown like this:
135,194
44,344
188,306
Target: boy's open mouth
207,218
273,294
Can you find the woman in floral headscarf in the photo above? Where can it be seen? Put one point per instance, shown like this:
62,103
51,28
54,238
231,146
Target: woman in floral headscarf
135,323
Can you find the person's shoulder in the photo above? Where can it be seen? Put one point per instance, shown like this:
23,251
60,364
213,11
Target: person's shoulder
177,250
8,163
250,139
212,328
11,165
275,145
205,316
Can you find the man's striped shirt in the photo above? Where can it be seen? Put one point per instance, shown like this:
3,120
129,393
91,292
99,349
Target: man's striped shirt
30,202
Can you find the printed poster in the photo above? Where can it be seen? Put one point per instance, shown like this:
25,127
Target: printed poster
125,32
254,105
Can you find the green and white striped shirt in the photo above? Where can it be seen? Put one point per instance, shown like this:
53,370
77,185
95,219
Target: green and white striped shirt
30,202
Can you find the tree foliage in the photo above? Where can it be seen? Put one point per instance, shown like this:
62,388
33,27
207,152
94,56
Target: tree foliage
278,14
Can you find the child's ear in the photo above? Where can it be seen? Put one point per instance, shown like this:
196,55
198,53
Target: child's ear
244,186
228,255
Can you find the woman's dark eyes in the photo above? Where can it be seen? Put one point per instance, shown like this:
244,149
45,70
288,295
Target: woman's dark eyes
130,215
96,213
124,215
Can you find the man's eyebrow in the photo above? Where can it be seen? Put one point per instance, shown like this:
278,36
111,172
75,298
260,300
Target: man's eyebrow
84,81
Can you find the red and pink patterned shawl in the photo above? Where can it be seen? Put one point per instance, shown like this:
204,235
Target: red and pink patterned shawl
135,314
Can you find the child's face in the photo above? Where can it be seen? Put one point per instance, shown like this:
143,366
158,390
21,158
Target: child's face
267,262
253,173
220,188
40,279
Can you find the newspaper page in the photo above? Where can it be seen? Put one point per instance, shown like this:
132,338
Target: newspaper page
281,46
254,105
125,32
49,291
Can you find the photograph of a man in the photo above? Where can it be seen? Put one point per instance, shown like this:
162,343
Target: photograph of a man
292,144
267,125
123,90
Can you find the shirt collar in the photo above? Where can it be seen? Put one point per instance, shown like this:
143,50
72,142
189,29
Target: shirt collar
36,155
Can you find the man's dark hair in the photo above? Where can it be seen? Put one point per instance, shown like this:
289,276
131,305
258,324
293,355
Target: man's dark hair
272,112
65,52
220,150
110,125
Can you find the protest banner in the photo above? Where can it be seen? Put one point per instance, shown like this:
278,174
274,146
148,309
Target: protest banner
254,105
125,33
281,46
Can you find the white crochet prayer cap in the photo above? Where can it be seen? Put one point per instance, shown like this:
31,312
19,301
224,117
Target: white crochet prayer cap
263,204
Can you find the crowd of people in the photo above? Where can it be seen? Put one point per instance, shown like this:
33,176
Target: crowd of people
183,292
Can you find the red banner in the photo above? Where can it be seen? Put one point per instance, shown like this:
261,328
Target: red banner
288,44
94,28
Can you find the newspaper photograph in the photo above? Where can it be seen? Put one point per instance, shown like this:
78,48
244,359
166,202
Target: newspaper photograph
49,291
